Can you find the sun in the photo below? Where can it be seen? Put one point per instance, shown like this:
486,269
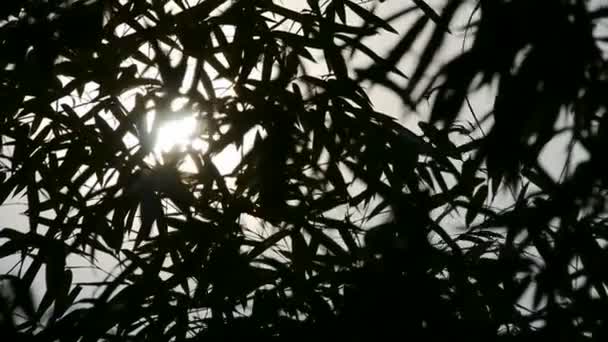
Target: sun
180,133
186,133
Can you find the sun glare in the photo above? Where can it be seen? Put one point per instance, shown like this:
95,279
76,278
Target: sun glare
185,134
178,133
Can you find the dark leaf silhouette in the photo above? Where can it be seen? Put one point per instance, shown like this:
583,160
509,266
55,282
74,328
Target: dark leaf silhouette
287,206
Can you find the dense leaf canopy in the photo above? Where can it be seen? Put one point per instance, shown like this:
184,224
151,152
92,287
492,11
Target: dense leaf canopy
335,220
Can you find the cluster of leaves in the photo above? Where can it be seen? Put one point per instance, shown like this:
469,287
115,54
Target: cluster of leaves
333,223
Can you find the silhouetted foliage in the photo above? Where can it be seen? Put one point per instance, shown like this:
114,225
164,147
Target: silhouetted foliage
338,222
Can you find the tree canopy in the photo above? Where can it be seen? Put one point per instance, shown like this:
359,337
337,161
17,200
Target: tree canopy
336,221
